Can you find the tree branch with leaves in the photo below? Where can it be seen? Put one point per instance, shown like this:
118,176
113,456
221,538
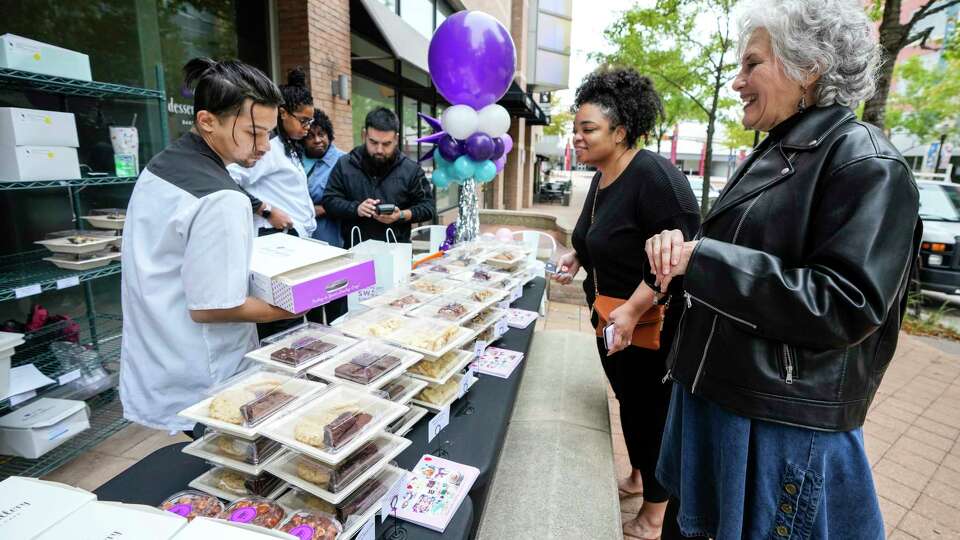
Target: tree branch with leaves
674,43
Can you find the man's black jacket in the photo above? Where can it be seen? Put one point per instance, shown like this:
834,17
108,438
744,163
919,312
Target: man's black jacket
404,184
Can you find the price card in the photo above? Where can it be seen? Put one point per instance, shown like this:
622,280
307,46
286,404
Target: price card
29,290
389,501
501,328
368,532
69,377
437,423
20,398
516,293
465,383
479,346
66,283
504,305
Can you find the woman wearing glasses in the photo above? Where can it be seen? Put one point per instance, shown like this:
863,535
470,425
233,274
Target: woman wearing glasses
278,180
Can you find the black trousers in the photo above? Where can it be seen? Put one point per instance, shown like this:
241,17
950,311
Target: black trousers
636,376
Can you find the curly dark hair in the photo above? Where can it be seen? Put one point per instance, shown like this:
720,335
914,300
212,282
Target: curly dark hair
322,122
627,99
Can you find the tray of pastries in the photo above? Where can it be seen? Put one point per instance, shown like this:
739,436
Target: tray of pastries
305,525
230,485
334,483
240,454
431,337
442,369
400,390
372,323
370,364
258,511
241,404
335,424
448,308
300,347
402,299
191,504
436,397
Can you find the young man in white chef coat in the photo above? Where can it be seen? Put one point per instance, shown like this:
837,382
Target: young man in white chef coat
187,319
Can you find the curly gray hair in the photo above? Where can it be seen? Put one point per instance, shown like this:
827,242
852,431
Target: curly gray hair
832,39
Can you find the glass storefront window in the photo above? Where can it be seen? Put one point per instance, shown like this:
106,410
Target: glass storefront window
364,49
410,128
418,14
368,95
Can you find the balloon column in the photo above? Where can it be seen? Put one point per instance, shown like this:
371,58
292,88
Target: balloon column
472,59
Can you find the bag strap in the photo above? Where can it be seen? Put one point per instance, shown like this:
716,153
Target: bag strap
596,282
355,229
387,235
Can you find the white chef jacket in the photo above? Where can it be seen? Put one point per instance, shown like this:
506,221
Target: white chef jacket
187,243
280,181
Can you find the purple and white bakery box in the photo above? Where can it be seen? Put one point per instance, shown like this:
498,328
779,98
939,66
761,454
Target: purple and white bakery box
299,274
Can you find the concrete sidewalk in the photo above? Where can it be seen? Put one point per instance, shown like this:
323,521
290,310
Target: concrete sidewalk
912,434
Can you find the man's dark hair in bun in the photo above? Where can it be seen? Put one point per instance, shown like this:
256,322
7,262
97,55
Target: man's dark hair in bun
626,98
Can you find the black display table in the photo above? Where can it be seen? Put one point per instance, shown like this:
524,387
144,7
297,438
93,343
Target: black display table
474,436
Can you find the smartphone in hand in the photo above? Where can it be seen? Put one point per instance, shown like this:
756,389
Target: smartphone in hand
550,267
608,335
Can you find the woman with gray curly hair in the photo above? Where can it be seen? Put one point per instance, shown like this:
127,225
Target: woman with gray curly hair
796,287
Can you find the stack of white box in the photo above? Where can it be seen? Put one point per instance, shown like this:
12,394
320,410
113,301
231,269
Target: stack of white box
39,145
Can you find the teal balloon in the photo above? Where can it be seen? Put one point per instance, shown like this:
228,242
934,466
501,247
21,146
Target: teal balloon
486,171
441,163
441,177
464,168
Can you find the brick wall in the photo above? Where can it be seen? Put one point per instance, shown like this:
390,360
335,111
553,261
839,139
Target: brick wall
315,34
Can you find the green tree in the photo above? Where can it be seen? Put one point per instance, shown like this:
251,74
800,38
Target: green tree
687,45
561,119
735,136
929,102
676,108
896,33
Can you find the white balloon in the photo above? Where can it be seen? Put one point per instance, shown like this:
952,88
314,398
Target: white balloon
460,121
494,120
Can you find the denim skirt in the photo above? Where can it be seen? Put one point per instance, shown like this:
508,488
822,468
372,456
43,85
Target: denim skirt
736,477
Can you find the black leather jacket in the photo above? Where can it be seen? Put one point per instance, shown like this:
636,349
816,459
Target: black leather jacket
798,286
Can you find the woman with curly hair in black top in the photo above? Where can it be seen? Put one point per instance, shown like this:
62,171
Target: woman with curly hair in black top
634,194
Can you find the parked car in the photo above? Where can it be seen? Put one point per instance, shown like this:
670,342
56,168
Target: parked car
939,257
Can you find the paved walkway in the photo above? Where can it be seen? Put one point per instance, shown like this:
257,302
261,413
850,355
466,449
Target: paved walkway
912,434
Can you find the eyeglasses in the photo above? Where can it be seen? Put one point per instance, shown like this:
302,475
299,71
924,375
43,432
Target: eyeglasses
305,123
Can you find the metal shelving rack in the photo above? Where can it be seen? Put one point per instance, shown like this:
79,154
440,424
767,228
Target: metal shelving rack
25,274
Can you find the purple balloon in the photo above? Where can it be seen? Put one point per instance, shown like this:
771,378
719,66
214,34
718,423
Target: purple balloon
500,162
450,148
472,59
497,149
431,121
507,143
479,146
431,138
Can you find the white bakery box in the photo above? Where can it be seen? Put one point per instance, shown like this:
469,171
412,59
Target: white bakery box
202,528
26,127
99,520
20,163
42,425
25,54
29,506
9,341
299,274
